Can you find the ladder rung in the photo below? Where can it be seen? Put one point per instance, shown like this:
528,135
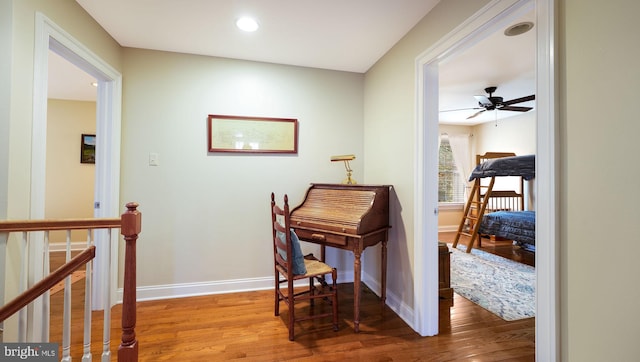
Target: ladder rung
465,234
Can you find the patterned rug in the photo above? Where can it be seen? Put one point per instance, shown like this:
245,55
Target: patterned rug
502,286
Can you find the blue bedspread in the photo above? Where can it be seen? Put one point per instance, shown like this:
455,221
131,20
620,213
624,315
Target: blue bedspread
512,225
524,166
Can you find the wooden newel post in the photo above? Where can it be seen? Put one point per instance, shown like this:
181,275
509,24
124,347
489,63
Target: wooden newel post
130,228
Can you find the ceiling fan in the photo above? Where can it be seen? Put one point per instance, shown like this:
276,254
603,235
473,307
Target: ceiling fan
493,102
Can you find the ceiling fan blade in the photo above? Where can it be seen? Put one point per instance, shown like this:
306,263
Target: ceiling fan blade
476,114
515,108
483,101
460,109
519,100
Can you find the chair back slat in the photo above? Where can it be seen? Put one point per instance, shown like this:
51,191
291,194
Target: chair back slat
314,270
281,223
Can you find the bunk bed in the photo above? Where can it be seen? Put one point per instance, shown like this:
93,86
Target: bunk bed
499,213
519,226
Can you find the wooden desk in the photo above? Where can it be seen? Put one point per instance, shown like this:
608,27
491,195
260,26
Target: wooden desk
349,217
357,246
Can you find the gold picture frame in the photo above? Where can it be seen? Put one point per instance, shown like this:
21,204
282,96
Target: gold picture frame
252,134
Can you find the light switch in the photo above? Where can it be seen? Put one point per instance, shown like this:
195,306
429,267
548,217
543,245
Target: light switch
153,159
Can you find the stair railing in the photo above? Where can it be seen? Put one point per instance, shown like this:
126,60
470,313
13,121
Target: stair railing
130,226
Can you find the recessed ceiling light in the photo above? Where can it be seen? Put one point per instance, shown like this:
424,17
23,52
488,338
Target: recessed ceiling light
247,24
518,29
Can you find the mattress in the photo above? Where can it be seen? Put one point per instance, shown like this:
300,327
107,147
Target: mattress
524,166
512,225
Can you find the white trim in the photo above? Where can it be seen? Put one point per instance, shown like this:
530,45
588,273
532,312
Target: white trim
394,301
451,206
75,246
447,228
39,127
547,232
50,36
425,316
35,327
183,290
487,20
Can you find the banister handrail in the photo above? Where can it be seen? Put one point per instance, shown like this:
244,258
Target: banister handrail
58,224
46,283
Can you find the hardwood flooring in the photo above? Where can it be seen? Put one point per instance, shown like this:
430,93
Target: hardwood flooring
241,326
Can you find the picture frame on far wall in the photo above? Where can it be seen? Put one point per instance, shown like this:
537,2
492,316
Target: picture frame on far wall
252,134
88,148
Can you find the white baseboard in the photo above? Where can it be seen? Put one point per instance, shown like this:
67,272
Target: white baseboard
75,245
448,228
158,292
394,302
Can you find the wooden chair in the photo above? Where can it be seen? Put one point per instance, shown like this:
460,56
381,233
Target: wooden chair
290,266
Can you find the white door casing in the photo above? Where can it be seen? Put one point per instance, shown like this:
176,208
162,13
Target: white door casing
50,36
486,21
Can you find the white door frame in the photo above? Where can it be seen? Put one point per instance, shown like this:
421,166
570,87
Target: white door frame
486,21
50,36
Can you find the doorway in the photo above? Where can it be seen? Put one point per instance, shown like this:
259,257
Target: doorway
71,125
50,37
490,18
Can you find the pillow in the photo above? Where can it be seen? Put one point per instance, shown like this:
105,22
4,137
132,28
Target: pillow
298,258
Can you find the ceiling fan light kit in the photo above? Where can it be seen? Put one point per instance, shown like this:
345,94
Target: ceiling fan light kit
492,102
498,103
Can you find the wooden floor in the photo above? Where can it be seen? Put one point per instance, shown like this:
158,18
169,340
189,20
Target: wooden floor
241,326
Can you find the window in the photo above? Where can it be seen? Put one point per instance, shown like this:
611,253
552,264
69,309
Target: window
450,183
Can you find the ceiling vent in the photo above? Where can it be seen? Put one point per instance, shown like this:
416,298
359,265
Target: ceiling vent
518,29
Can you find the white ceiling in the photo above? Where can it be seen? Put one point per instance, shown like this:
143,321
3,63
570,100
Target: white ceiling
66,81
332,34
329,34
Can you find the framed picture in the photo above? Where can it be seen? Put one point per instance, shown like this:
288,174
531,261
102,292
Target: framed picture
88,148
252,134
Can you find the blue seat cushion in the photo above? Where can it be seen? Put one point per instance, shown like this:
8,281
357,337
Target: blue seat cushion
298,259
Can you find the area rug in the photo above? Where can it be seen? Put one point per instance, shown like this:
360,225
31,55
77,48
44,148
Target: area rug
502,286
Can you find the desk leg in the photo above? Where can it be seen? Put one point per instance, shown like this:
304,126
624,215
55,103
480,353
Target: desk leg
383,266
356,289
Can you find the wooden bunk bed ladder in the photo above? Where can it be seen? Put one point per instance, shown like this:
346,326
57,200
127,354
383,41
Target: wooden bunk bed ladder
473,212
